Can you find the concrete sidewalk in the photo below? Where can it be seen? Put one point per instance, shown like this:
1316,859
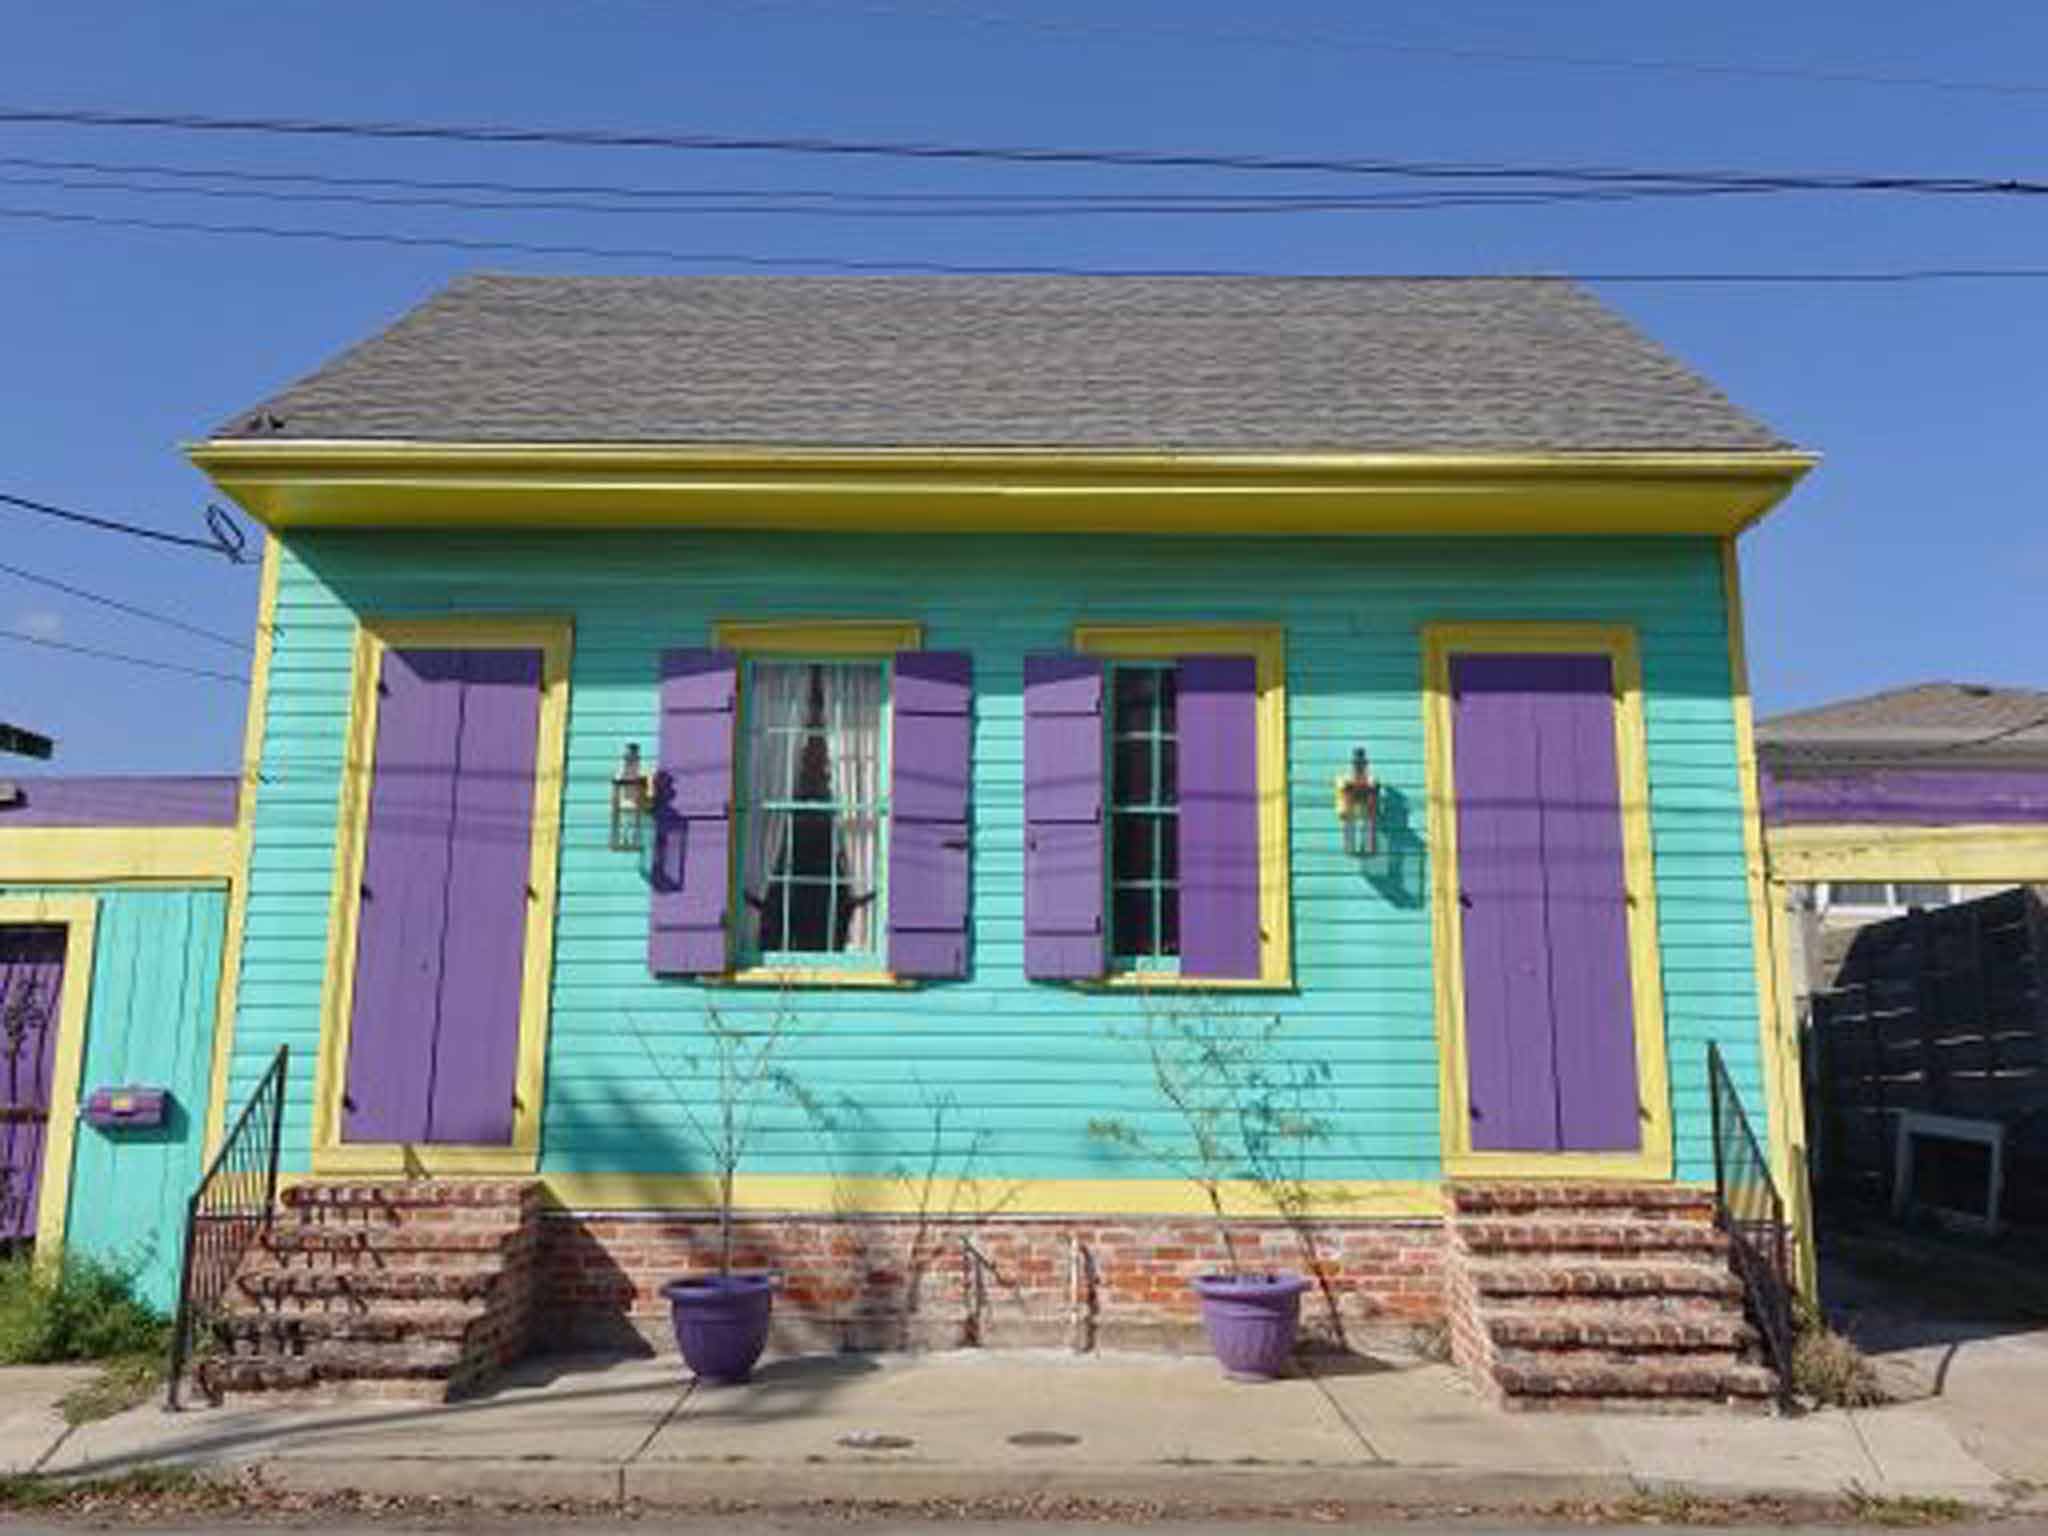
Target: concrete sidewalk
974,1425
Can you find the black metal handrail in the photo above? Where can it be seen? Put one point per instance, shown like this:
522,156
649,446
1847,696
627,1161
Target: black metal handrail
1748,1207
232,1206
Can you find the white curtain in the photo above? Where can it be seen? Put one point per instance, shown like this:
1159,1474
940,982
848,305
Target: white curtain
776,700
853,719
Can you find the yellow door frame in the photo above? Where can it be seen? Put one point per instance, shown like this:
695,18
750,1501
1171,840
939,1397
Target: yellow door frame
79,917
1653,1159
553,638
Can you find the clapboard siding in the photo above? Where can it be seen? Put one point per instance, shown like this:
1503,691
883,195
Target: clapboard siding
150,1019
1027,1063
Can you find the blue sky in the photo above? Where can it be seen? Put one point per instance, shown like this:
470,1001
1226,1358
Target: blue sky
1914,552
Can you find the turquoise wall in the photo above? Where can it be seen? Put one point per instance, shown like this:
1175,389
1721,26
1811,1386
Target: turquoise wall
155,987
1026,1065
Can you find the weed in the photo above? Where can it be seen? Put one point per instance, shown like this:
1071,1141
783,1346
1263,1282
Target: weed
81,1309
1902,1510
32,1491
1828,1368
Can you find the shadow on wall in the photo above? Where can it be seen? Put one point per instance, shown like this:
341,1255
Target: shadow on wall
1396,869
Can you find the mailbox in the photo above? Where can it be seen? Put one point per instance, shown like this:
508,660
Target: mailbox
129,1108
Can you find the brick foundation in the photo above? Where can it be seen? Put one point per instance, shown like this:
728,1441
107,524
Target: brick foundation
884,1282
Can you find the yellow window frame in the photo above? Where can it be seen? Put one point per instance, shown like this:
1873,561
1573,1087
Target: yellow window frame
1266,644
850,638
1440,642
554,638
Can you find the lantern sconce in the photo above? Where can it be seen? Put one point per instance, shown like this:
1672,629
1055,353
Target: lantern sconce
1358,807
632,796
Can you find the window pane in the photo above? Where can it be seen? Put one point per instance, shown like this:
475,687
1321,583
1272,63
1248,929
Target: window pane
1922,893
1136,691
1169,920
1169,772
1858,893
1131,854
1131,772
1132,919
1169,698
1169,847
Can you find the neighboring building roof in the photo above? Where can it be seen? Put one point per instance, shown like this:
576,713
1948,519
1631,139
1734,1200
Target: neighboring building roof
189,801
1931,726
1253,365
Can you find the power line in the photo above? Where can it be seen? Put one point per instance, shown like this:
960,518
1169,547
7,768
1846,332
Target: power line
751,260
121,656
120,607
1355,43
226,537
1150,159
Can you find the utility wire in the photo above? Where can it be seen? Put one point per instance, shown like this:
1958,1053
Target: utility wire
120,607
120,656
223,542
718,258
620,138
1356,43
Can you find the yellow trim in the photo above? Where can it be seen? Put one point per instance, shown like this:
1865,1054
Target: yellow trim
1023,1197
1439,643
796,976
1267,646
79,915
256,714
1967,855
71,854
817,637
590,485
554,638
1778,1029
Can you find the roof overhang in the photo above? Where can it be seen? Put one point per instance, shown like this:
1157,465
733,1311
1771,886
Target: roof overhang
358,484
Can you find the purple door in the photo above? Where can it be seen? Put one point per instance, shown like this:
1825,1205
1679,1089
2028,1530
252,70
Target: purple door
441,931
1550,1043
31,980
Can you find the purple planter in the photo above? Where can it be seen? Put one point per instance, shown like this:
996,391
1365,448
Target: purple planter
1252,1321
721,1323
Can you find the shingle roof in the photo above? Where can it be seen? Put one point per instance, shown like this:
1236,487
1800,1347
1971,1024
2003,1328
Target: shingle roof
1355,364
1947,724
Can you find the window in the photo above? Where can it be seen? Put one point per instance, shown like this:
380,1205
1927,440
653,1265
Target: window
1144,810
814,809
1155,807
1886,895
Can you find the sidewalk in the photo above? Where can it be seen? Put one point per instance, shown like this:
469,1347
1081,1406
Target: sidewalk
1017,1425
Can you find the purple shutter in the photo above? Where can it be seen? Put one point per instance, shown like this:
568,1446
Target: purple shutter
693,814
1219,816
1063,837
933,700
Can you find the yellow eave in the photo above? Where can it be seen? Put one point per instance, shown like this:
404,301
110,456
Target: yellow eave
343,484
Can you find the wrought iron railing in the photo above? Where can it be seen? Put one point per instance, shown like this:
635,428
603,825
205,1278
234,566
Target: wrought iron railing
230,1209
1748,1207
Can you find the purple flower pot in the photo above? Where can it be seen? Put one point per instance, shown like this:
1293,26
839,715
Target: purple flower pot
721,1323
1252,1321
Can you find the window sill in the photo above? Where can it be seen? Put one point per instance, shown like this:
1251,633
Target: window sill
1146,981
798,976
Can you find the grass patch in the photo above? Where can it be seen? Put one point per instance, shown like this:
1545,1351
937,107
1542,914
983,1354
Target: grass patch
1900,1512
144,1486
79,1309
123,1383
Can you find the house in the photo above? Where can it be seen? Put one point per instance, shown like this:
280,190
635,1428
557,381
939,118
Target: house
994,646
1901,828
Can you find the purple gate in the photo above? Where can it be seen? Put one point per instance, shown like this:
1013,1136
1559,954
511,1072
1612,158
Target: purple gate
31,981
1550,1047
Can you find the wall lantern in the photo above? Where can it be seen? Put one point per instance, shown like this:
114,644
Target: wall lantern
1358,807
632,795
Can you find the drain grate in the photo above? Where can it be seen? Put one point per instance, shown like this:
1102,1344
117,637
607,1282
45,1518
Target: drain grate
1036,1438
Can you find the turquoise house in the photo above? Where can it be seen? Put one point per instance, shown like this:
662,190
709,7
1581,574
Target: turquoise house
970,678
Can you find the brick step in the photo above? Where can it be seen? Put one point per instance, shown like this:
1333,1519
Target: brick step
1537,1278
281,1286
338,1363
293,1331
1655,1331
1559,1234
1575,1377
1647,1201
410,1194
289,1239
